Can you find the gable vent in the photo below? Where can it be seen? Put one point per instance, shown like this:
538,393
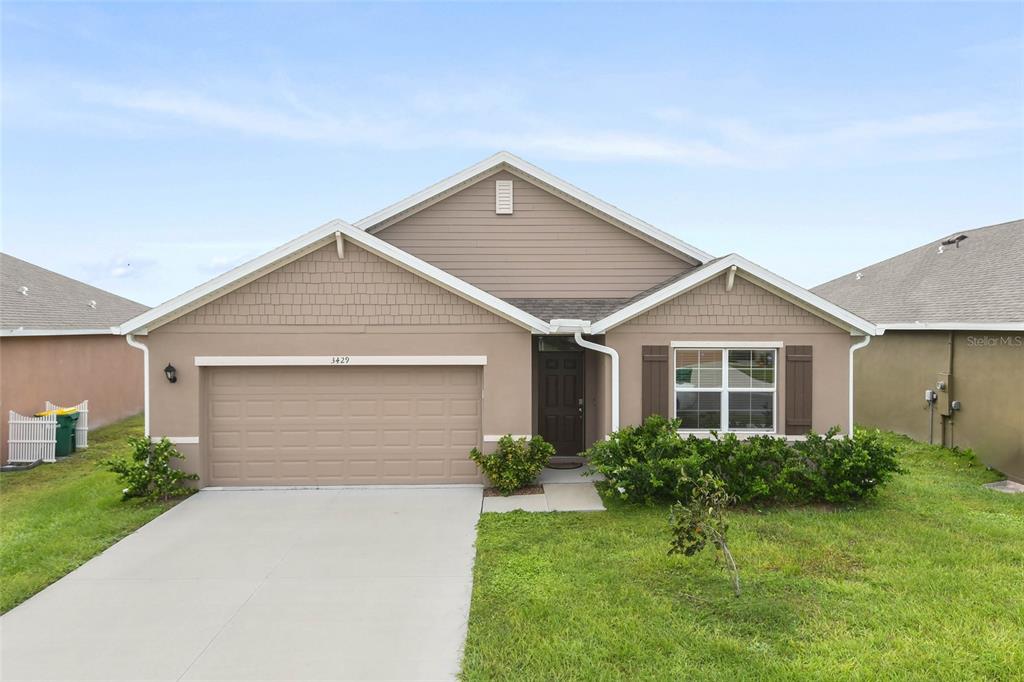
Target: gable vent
503,197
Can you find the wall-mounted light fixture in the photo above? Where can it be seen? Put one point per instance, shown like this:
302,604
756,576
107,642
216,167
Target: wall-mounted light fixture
171,373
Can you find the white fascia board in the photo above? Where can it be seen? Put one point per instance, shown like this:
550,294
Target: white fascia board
440,187
445,280
953,326
527,168
314,239
779,284
338,360
21,331
235,276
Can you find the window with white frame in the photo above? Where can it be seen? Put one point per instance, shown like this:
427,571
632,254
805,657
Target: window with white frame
725,389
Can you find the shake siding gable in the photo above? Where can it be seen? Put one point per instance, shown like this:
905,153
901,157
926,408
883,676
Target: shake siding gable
322,289
747,305
747,314
547,248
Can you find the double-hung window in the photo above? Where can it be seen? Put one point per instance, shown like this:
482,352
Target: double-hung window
726,389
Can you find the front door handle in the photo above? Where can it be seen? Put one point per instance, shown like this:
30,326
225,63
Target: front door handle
579,402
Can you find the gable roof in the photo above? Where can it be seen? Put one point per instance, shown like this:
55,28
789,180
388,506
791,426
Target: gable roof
54,304
750,271
973,284
512,163
312,240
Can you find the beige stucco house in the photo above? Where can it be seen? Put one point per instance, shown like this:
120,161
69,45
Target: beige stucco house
952,312
60,342
501,300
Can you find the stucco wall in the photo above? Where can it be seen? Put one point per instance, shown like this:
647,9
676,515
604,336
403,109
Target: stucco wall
323,305
747,313
66,370
892,374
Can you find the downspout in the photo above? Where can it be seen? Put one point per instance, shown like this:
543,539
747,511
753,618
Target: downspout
614,355
949,391
130,338
855,347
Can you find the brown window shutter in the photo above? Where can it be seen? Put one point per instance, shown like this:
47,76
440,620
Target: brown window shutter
799,366
655,378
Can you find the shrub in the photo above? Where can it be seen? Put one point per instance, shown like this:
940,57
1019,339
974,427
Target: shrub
148,472
651,462
515,463
702,520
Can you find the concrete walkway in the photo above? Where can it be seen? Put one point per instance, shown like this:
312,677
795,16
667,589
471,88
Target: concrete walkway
564,490
350,584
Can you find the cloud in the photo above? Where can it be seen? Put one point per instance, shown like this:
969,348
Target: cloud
249,119
605,145
487,119
942,134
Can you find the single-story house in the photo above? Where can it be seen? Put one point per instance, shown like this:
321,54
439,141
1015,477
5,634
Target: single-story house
59,342
502,300
950,365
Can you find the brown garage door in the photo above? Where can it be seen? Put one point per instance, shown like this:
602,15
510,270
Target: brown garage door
341,425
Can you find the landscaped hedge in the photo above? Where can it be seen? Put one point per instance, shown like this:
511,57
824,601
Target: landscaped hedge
646,463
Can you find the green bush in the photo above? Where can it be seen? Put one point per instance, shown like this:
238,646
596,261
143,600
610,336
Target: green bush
148,473
652,462
515,463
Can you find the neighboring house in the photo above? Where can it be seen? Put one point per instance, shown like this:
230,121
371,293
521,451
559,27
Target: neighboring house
499,301
59,342
952,312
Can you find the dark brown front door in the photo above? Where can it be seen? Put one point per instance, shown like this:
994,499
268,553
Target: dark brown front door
561,401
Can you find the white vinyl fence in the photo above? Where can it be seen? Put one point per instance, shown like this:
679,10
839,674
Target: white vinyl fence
82,427
32,438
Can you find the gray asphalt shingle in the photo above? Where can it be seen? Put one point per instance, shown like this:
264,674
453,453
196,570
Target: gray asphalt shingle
590,309
56,302
979,280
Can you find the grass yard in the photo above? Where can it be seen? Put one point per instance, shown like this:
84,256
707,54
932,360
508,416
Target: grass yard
925,582
57,516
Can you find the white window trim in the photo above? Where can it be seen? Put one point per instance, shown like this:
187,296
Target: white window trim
724,389
336,360
734,345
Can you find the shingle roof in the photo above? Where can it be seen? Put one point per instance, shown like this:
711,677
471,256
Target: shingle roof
569,308
591,309
56,302
981,279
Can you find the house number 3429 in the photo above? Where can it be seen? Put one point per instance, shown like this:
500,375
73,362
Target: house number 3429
340,359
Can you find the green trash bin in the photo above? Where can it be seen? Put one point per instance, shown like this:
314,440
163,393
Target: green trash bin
66,433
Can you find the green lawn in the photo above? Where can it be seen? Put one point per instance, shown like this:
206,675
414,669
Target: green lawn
57,516
925,582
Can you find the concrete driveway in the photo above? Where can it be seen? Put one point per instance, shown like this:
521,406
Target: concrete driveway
264,585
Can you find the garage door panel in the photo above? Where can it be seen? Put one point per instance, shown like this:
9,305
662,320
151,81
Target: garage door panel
330,425
396,408
465,438
363,408
464,408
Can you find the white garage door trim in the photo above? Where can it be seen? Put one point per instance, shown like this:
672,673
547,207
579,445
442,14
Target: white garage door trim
384,441
336,360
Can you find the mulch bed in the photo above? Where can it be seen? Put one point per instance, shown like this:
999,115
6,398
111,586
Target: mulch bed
525,490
